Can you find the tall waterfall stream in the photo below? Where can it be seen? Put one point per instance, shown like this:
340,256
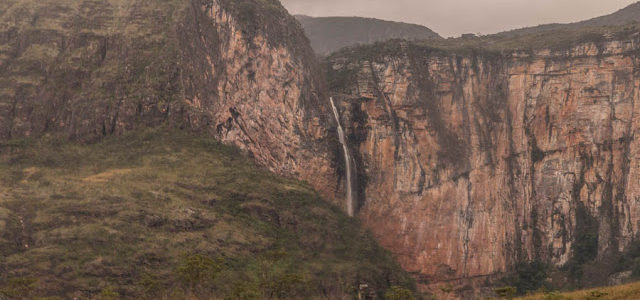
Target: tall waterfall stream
347,160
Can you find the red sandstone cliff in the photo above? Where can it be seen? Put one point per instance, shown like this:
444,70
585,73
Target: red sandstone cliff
466,163
473,162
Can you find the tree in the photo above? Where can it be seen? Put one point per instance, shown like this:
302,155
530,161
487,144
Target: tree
507,292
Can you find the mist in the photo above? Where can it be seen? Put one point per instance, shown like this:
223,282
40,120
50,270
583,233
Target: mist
455,17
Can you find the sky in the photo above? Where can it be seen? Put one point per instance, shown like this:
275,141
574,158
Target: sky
455,17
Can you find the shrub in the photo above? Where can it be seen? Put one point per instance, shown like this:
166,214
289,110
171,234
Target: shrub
398,293
244,291
18,288
283,286
596,295
554,296
109,294
278,277
507,292
447,288
196,270
530,276
150,285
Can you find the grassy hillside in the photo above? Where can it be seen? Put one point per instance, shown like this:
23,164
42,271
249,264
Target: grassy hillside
491,45
328,34
560,39
622,292
627,15
160,213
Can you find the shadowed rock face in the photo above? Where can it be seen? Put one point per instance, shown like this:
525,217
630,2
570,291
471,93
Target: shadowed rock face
240,71
474,162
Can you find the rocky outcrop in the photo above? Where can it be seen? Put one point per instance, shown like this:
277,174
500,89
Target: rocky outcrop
240,71
474,161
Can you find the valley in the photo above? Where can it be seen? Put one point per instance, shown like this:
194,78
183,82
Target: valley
197,149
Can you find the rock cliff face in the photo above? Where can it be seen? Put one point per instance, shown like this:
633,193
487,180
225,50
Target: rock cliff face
239,70
472,162
466,163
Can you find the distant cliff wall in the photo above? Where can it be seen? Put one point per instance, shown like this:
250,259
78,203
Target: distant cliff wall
474,161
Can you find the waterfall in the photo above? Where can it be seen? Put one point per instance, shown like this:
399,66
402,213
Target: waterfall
347,159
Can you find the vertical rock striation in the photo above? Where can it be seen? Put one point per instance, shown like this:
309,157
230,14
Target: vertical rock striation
476,161
465,163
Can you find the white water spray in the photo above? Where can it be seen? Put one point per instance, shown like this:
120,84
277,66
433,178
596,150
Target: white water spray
347,159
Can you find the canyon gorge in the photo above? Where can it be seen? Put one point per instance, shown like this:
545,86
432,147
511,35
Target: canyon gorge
462,162
475,162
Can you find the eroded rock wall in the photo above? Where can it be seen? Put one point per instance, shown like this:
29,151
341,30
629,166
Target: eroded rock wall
241,71
476,161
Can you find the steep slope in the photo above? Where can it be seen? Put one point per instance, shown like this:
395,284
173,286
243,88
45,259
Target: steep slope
474,161
240,71
328,34
163,213
627,15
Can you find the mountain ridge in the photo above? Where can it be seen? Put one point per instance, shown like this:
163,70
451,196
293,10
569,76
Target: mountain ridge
627,15
328,34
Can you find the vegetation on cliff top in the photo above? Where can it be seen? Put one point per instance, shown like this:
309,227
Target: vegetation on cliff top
627,15
161,213
271,19
561,41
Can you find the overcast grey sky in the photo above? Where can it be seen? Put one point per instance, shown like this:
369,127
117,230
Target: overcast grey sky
454,17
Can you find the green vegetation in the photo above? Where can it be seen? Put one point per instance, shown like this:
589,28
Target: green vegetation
555,40
398,293
491,46
631,259
622,292
161,213
271,19
328,34
627,15
507,292
530,276
197,270
18,287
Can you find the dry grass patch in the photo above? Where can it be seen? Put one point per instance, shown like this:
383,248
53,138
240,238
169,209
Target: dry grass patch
629,291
